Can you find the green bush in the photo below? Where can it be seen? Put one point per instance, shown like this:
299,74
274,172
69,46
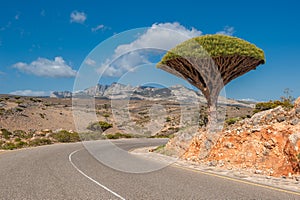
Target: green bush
99,126
66,136
272,104
21,144
298,156
22,134
19,109
19,101
106,115
168,119
118,136
40,141
2,111
9,146
231,121
6,134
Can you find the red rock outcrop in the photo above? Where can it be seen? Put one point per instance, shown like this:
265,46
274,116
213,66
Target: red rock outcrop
268,143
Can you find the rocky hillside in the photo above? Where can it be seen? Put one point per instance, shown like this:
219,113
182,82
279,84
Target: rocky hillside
119,91
267,143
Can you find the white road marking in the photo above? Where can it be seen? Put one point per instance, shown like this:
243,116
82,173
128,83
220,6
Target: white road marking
91,179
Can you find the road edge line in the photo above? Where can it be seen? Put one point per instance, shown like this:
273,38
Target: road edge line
91,179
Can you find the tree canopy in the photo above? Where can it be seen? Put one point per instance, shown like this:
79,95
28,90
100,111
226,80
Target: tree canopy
209,62
214,46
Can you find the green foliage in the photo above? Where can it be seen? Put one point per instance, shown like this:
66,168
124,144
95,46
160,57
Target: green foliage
6,134
19,109
231,121
19,101
99,126
40,141
272,104
298,156
22,134
118,136
203,119
9,146
17,97
66,136
168,119
106,115
214,46
17,139
2,111
20,144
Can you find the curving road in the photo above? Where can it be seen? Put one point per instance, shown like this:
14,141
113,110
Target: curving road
68,171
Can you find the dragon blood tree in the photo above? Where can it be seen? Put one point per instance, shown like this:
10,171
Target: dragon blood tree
209,62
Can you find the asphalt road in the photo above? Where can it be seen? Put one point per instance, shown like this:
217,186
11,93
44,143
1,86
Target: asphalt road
68,171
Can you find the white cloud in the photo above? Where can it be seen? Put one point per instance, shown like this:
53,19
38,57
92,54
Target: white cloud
90,62
161,36
78,17
228,30
48,68
248,100
99,27
30,93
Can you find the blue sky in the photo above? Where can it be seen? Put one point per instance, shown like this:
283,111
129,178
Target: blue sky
37,36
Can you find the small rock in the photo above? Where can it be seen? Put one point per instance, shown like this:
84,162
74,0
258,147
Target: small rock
294,121
297,178
258,171
255,130
213,163
46,130
281,118
229,145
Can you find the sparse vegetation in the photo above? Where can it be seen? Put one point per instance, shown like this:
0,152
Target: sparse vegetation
19,101
272,104
21,144
99,126
9,146
19,109
233,120
118,136
6,134
105,115
168,119
40,141
66,136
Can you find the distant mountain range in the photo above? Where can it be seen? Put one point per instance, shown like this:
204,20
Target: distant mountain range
121,91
